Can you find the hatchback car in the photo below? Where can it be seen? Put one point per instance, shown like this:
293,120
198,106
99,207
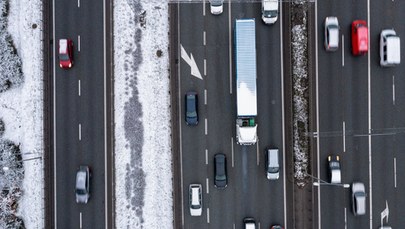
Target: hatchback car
217,6
191,108
220,180
195,199
334,169
65,53
83,185
249,223
272,164
331,33
359,37
358,198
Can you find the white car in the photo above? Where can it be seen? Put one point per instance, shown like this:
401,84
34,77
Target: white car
390,48
331,33
358,198
195,199
217,6
334,169
269,11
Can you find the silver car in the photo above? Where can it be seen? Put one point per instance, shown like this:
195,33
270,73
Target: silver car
331,33
83,184
358,198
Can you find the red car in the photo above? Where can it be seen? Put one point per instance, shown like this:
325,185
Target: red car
359,37
65,53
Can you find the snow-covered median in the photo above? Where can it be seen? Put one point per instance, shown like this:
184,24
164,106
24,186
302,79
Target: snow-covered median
142,115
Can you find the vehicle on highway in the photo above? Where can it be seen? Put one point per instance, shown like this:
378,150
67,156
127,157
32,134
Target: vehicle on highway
334,169
65,53
272,164
83,184
221,179
276,227
358,198
191,109
246,88
385,227
359,37
195,199
390,48
217,6
269,11
249,223
331,33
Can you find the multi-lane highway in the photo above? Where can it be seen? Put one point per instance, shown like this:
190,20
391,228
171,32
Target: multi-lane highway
209,39
79,121
360,117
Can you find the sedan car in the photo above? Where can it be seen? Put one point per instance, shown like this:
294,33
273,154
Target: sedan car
65,53
217,6
331,33
359,37
191,108
358,198
221,180
334,169
83,184
195,199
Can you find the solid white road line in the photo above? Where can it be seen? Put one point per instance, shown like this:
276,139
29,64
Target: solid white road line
370,177
344,136
80,221
80,132
230,46
79,88
205,96
106,201
204,38
233,160
393,90
207,184
343,50
78,43
179,102
206,156
317,113
395,172
282,113
208,215
206,126
205,67
54,118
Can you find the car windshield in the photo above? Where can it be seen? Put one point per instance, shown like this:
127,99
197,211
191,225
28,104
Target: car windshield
195,206
273,169
270,13
334,165
63,56
80,191
216,2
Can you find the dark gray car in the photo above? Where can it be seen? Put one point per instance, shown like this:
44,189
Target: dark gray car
191,108
83,184
221,179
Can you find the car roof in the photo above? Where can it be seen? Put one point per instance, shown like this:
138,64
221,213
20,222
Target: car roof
393,49
361,204
334,36
81,179
63,46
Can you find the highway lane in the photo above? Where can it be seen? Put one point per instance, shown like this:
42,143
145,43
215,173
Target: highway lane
79,118
388,107
249,193
343,114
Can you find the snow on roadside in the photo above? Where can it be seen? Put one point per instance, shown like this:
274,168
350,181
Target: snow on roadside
142,115
22,107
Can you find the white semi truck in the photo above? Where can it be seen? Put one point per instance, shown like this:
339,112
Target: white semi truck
246,93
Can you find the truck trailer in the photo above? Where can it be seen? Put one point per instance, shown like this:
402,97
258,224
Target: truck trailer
246,93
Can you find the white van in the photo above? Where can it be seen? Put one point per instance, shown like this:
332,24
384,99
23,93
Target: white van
269,11
390,48
249,223
272,164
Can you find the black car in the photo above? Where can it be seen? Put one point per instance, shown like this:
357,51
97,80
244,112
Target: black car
221,180
191,108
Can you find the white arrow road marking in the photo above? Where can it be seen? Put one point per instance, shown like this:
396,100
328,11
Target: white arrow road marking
190,61
385,213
